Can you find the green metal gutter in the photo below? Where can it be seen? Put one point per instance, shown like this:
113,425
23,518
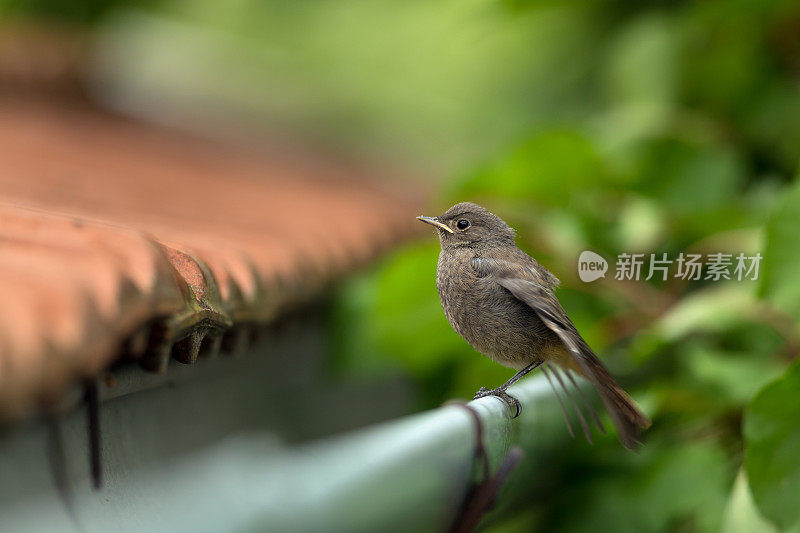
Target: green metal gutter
410,474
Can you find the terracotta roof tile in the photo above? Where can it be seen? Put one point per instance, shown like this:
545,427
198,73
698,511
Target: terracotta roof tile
120,239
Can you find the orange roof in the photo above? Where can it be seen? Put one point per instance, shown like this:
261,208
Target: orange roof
121,239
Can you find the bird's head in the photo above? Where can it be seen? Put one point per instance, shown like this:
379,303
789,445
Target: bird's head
468,224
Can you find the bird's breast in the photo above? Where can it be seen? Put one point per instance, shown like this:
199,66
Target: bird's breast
487,316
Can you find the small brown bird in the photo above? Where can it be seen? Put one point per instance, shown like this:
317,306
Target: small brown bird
501,301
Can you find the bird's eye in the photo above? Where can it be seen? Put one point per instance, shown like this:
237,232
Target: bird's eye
462,224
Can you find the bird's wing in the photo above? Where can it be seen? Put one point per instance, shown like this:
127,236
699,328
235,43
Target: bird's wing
528,286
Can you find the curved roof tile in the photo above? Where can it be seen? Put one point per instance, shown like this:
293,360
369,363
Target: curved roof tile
122,240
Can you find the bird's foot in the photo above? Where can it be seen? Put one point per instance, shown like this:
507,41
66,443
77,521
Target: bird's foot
503,395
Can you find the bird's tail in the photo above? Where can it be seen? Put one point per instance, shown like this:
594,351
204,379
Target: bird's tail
627,417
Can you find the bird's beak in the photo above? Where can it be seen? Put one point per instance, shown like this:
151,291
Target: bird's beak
434,221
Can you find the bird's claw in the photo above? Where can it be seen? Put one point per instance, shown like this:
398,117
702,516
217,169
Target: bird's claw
503,395
483,391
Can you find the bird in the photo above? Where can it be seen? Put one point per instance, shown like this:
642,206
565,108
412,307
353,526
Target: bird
503,303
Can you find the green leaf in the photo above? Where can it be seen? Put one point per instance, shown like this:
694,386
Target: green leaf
689,177
408,322
741,514
713,309
772,453
671,485
547,169
780,282
729,376
642,64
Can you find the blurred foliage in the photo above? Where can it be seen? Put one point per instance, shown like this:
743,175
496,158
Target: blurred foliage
780,283
773,453
80,12
615,126
682,150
